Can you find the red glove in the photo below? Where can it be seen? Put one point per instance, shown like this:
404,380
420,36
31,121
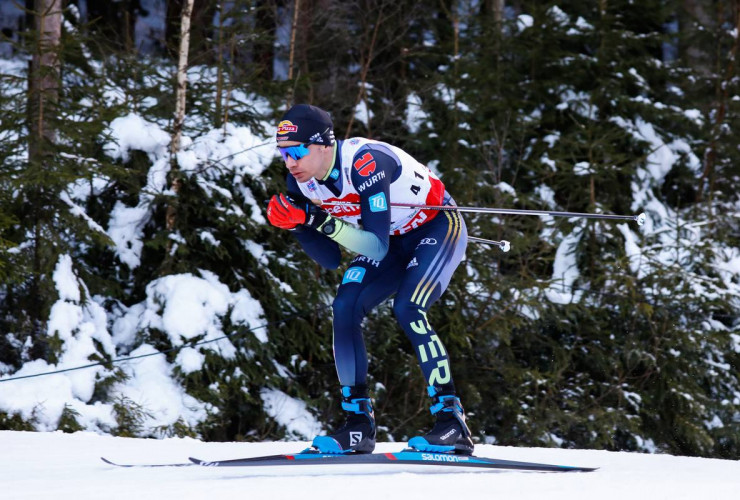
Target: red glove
283,214
287,214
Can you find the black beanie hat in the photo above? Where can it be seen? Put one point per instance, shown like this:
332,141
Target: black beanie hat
306,123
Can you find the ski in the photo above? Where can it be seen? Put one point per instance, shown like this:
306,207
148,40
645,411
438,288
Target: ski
408,456
109,462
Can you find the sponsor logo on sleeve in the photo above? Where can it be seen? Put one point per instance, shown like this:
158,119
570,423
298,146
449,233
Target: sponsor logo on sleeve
378,203
365,165
353,275
362,258
370,181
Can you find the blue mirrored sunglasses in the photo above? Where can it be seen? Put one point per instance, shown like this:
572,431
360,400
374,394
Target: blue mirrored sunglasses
295,152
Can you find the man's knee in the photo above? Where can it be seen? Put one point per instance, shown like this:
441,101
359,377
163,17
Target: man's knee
343,302
411,316
348,307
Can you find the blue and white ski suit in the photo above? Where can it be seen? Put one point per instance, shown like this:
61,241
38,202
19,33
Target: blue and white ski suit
411,253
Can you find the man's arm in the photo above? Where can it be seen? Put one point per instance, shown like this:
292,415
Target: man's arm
320,248
324,251
371,172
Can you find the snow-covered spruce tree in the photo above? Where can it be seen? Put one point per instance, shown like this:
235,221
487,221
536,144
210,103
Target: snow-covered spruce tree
105,236
47,313
574,341
587,334
224,265
354,85
11,84
706,44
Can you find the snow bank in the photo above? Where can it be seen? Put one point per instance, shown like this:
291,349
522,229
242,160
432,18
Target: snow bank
70,468
184,307
291,413
79,325
151,385
126,223
416,117
232,153
132,132
565,271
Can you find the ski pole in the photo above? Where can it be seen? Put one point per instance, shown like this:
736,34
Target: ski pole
639,218
504,245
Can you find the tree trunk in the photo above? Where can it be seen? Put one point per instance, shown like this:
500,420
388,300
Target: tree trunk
265,21
43,80
201,32
43,95
115,21
695,17
181,93
498,12
495,9
361,92
725,76
293,30
182,76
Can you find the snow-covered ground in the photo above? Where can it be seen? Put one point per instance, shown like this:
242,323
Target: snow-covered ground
53,465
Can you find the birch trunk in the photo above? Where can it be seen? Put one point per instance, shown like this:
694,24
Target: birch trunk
181,93
182,74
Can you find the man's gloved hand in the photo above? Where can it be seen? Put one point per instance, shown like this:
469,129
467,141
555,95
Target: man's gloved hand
286,214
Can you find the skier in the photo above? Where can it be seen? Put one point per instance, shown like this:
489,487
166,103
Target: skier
411,253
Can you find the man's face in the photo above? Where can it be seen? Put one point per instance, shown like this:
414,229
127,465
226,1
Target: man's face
315,164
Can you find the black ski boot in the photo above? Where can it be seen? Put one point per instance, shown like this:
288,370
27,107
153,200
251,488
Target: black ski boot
357,435
450,433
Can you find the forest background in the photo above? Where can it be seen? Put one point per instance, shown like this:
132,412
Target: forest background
143,293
